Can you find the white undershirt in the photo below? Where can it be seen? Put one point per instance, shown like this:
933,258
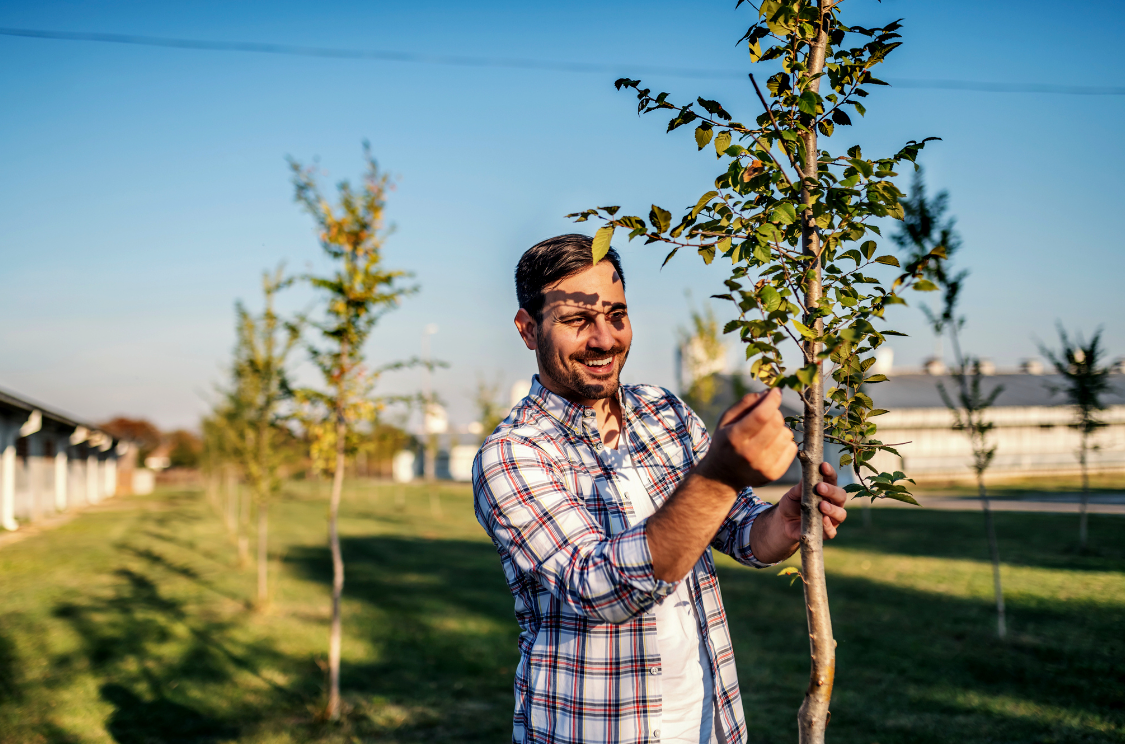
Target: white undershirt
687,686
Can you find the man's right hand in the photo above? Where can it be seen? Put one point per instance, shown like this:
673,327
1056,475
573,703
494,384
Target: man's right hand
752,445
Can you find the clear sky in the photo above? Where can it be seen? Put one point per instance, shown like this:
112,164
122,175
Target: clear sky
144,190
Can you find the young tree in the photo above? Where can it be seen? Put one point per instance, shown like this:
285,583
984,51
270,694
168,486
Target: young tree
922,231
357,293
488,399
1085,381
259,389
793,219
702,356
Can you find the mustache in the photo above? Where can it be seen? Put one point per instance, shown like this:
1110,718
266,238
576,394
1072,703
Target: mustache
586,356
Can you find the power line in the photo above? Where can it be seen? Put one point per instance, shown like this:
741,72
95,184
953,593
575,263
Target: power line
519,63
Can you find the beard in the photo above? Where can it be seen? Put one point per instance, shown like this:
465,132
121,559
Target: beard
570,373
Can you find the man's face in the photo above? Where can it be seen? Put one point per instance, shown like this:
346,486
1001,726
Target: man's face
584,336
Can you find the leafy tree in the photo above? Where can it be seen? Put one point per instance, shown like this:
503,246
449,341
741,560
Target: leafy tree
702,356
489,401
253,412
921,233
794,221
356,294
1085,381
183,449
141,432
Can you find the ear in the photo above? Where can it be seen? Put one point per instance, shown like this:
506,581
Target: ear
527,328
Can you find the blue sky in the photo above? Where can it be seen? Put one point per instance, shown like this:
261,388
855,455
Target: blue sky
144,190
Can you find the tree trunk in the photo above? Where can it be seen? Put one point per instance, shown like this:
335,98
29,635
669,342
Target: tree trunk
812,719
994,549
244,532
263,553
333,710
1082,517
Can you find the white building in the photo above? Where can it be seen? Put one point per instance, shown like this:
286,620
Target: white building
51,462
1033,432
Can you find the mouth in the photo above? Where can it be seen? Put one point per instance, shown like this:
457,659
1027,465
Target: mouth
603,365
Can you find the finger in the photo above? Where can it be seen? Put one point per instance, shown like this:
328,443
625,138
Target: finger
828,472
742,407
836,514
832,492
829,528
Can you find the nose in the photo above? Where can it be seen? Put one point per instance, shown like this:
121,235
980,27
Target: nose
601,334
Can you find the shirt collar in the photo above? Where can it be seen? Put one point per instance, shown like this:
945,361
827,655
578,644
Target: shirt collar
568,413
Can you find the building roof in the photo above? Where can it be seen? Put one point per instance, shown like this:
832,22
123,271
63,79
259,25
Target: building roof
1020,390
11,400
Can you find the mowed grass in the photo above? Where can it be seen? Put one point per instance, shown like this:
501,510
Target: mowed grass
134,623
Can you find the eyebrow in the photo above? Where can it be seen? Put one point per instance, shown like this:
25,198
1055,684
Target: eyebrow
576,312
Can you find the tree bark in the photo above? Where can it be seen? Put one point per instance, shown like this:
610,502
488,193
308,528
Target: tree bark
1083,519
244,531
994,549
333,710
263,553
812,719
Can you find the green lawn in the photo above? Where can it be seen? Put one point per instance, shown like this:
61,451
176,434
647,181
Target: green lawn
132,623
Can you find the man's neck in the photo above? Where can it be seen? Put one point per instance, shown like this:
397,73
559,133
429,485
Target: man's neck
606,410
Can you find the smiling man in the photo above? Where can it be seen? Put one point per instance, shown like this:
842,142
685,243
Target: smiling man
605,501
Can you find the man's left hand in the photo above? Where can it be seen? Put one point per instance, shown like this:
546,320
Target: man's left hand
831,506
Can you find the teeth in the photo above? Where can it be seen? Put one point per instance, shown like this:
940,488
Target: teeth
599,362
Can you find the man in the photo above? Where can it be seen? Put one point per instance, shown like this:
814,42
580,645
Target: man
604,501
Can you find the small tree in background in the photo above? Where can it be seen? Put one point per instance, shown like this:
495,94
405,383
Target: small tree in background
793,218
1085,381
922,232
702,357
488,398
356,294
259,387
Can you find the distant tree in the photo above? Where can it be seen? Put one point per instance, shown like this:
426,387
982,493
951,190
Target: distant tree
488,398
356,294
184,448
702,358
1085,381
141,432
922,232
795,221
253,406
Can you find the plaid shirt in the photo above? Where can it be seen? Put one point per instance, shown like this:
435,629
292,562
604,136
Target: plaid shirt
578,564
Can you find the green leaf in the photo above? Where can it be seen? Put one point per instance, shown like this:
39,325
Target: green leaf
703,201
723,246
900,496
803,329
876,378
722,142
807,373
868,248
925,285
784,213
769,298
888,260
661,219
807,103
602,239
703,135
708,254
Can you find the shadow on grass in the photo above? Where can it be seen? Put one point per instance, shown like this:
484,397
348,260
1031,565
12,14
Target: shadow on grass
922,667
1040,540
913,666
443,625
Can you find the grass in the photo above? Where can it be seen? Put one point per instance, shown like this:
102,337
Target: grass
133,623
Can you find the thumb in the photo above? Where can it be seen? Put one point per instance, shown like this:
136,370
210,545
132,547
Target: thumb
749,402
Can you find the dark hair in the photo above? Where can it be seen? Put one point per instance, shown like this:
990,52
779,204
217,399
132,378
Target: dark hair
551,261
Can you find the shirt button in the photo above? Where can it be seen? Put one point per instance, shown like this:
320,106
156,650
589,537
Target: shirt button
654,670
656,734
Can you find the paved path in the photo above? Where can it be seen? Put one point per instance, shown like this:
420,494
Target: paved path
1043,502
